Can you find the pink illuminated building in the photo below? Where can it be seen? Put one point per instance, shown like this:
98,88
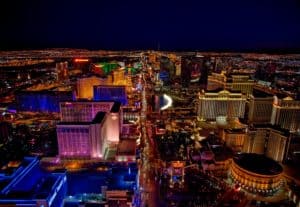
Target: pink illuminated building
79,137
82,111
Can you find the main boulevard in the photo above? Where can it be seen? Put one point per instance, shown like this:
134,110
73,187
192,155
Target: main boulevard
148,185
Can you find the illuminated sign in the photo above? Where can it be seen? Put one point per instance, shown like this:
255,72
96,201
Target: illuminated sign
81,60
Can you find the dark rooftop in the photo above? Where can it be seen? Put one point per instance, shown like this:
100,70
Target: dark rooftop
116,107
274,127
257,163
126,147
99,117
261,94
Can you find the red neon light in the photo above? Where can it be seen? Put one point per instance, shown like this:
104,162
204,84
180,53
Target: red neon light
80,60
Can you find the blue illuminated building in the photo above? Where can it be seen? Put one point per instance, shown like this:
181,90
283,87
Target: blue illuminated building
26,184
110,93
90,183
164,75
41,101
115,178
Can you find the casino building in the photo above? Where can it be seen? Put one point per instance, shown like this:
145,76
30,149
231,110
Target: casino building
234,82
111,93
42,100
256,173
83,111
81,139
85,86
89,130
24,183
260,107
286,113
221,104
267,140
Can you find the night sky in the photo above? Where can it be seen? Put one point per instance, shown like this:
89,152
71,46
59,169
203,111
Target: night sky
213,25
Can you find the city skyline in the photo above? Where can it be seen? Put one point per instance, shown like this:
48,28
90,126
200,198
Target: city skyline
150,103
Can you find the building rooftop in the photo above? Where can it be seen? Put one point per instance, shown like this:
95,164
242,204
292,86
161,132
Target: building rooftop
126,147
261,94
270,126
30,183
258,164
99,117
116,107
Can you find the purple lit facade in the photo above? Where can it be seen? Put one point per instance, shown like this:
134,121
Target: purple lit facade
42,101
110,93
80,140
79,137
82,111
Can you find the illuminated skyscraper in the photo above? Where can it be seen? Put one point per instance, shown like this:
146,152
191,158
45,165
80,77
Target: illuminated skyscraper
264,139
41,100
224,103
110,93
260,107
79,137
82,111
255,141
241,83
234,138
286,113
276,145
119,77
62,71
292,154
85,86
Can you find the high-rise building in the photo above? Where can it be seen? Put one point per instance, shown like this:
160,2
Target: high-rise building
79,137
276,145
241,83
255,141
119,77
260,107
267,140
62,71
292,153
41,101
82,111
286,113
234,138
110,93
85,86
224,103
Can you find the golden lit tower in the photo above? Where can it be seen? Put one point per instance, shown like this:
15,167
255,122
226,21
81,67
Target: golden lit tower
85,86
286,113
241,83
265,139
224,103
260,107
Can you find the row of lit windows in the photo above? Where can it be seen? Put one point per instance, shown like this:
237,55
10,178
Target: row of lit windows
73,143
212,109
